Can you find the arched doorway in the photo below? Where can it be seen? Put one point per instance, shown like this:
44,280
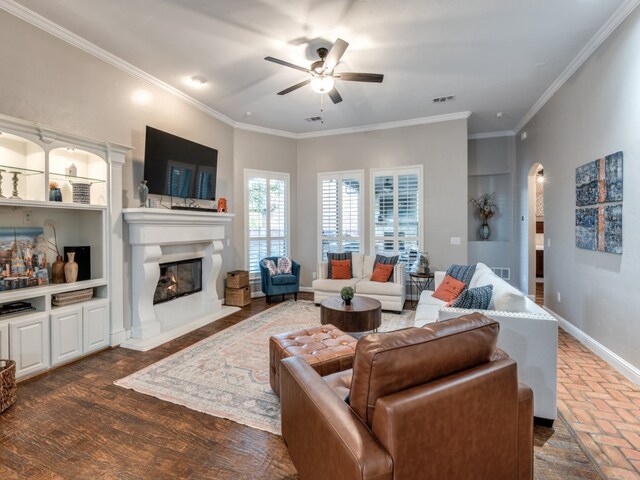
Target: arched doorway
536,241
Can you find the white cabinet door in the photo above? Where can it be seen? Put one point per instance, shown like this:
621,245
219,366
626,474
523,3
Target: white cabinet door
29,345
66,335
4,341
95,318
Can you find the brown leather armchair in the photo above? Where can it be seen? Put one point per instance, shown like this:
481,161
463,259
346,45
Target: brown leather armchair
439,402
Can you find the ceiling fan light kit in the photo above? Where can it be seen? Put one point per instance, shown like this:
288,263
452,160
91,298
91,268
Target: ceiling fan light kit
322,77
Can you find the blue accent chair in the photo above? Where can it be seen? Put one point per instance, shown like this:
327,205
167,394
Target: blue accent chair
280,284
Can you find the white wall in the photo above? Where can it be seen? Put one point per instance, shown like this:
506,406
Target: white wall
492,166
46,80
595,113
442,150
261,152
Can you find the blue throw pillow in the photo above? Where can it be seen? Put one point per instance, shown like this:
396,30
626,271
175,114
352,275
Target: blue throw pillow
462,272
339,256
477,298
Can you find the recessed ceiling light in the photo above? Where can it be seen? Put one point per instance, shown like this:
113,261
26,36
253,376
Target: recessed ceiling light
499,114
197,81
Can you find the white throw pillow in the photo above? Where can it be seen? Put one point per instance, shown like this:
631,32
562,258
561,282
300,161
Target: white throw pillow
505,297
481,269
367,270
357,264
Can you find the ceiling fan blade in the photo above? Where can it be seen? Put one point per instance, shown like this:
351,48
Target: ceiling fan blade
334,55
360,77
334,95
286,64
294,87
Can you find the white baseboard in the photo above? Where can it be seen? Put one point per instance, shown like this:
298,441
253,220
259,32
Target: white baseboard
259,294
617,362
306,289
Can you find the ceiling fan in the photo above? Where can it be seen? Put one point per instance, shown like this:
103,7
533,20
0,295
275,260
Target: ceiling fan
323,77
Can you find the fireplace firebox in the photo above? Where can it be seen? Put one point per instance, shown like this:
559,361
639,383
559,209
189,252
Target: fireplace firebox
178,279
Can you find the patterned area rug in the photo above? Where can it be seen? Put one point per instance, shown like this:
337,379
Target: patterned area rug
227,374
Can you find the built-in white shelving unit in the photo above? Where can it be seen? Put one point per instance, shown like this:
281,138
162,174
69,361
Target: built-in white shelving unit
34,158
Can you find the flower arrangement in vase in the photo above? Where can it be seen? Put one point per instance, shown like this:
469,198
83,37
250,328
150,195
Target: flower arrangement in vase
55,195
485,208
347,294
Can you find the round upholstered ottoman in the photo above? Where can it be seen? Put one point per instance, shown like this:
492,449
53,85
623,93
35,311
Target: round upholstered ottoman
327,349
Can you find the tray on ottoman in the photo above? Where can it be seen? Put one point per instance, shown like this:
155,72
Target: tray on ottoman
327,349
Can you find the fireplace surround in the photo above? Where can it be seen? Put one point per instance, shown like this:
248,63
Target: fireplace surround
158,237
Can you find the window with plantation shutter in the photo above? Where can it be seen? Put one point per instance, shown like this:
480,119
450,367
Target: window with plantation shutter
396,205
340,212
267,216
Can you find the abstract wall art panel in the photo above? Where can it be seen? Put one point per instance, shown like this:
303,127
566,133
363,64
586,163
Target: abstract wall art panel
587,184
613,229
612,177
587,228
599,227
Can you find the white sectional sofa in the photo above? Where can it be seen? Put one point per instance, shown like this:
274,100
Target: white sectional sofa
527,333
391,294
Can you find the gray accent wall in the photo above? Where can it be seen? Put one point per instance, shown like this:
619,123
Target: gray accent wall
597,112
441,148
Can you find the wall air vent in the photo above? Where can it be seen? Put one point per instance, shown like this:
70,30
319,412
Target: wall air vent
313,119
446,98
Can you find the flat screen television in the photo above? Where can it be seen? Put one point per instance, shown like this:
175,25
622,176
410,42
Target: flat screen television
178,167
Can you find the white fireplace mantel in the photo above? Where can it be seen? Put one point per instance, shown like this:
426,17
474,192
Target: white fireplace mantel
158,236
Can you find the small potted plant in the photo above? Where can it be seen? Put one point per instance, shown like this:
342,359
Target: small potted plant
347,294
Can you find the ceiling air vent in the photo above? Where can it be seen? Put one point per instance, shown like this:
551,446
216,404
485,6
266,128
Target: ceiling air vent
446,98
313,119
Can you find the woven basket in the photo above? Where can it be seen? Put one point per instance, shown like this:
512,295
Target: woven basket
68,298
7,384
238,297
237,279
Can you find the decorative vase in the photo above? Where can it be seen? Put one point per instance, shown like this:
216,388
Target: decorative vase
143,193
347,300
57,270
71,268
55,195
485,231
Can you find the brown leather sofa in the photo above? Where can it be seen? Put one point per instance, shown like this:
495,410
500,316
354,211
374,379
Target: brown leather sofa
440,402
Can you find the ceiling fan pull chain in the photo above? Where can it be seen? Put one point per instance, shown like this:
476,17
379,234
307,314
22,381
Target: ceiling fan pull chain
322,108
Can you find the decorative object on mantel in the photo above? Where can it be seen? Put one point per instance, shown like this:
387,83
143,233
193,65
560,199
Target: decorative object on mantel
422,263
347,294
81,192
485,208
143,193
8,386
71,268
222,205
55,195
599,204
23,259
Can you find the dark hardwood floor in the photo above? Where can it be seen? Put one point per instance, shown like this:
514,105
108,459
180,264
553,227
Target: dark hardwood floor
73,423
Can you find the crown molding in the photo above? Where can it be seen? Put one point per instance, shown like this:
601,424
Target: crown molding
265,130
480,136
598,39
65,35
71,38
387,125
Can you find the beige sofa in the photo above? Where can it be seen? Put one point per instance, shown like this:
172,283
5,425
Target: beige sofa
391,294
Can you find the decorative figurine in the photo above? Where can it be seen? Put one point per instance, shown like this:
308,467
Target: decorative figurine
143,193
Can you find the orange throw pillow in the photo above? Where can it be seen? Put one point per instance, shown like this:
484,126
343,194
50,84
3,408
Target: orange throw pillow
382,272
449,289
340,269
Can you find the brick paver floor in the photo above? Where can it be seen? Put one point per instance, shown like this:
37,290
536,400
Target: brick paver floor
602,407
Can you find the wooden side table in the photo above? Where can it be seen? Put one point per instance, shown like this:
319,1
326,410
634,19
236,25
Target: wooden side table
421,282
364,313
